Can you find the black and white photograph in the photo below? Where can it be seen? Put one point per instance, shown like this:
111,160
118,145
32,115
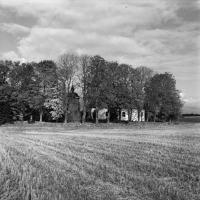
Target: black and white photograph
99,99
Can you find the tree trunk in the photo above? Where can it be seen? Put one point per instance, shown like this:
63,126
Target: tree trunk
66,117
91,114
41,113
147,116
31,118
130,115
97,120
154,118
119,114
84,110
108,117
84,115
138,115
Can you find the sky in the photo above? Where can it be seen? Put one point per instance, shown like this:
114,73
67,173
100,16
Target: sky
160,34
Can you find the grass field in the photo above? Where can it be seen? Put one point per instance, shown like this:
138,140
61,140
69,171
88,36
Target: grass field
108,163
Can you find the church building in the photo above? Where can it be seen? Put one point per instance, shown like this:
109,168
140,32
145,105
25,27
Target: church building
74,106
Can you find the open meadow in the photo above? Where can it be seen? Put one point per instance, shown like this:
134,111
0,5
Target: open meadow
39,162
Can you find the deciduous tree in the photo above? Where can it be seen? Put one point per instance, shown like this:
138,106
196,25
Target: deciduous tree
67,65
47,80
83,77
24,79
96,83
141,76
10,107
163,98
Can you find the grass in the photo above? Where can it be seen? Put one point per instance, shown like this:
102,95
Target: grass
100,163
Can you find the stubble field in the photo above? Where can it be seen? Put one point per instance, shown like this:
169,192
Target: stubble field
100,163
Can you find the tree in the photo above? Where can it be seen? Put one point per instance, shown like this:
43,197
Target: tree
26,83
10,109
124,93
141,76
84,68
111,79
4,71
9,106
120,92
163,98
47,80
67,65
54,103
96,83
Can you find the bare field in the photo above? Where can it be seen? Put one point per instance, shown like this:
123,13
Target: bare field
52,163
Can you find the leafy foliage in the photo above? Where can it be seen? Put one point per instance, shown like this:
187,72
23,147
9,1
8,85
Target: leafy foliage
162,97
10,108
25,81
54,104
45,86
83,78
47,80
4,70
96,83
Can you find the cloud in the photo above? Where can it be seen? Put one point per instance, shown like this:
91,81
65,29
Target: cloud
94,15
30,7
46,43
11,55
192,101
2,13
192,105
14,28
182,94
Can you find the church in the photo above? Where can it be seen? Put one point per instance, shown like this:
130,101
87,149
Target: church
74,106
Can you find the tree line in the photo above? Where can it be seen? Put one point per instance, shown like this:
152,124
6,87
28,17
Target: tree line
44,87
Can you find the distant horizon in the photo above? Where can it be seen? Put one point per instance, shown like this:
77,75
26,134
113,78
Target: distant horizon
188,109
195,114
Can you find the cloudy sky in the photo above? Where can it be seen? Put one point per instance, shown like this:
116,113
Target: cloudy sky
160,34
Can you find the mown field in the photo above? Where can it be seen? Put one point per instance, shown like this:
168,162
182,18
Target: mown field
100,163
